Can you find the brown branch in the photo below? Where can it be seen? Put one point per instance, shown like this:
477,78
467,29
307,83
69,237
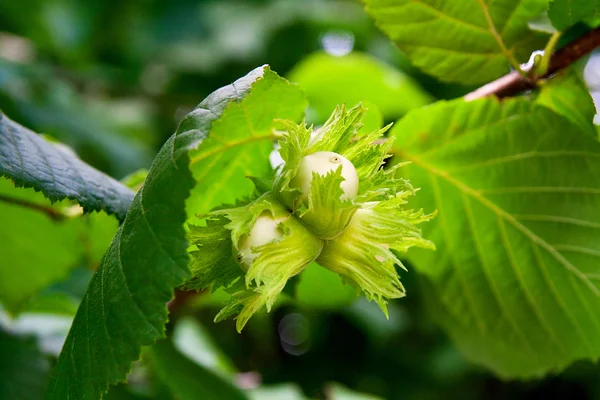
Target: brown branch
180,300
515,83
48,211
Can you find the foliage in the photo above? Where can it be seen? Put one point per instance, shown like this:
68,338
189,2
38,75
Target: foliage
460,41
45,247
525,226
155,238
353,237
510,293
356,78
565,13
30,161
188,379
23,367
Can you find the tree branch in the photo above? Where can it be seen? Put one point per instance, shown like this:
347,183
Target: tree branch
180,300
515,83
52,213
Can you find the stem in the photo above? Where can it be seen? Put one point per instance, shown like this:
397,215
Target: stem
50,212
514,83
180,300
548,51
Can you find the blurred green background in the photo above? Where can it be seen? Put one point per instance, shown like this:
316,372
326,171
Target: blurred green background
111,79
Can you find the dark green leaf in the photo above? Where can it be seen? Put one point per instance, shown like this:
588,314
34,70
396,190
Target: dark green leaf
463,41
566,13
23,368
518,194
31,161
189,380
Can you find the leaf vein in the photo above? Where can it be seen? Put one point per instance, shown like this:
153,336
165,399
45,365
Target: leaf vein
490,282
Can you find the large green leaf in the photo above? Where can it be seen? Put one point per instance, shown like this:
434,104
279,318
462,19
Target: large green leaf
467,41
125,305
566,13
329,81
189,380
31,161
23,368
516,272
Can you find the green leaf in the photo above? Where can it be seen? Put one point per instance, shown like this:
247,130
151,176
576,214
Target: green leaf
566,13
41,244
336,391
280,391
322,289
567,95
516,270
125,305
466,41
23,368
31,161
329,81
36,250
189,380
194,341
240,143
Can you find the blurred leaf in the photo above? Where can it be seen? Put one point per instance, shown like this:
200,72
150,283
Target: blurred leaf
43,243
188,380
462,41
239,144
566,13
336,391
282,391
39,95
364,314
36,250
542,23
30,161
49,330
252,25
329,80
321,288
373,119
125,305
192,340
567,95
54,303
516,270
23,369
135,180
